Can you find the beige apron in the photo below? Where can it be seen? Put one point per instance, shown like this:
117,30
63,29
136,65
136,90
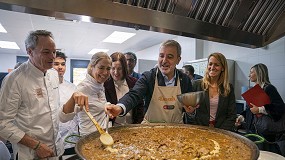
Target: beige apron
164,106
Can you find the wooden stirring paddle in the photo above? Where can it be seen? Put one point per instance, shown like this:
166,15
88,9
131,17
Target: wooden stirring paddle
105,138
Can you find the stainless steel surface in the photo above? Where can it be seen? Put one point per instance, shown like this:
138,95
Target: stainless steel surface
87,138
250,23
265,155
191,99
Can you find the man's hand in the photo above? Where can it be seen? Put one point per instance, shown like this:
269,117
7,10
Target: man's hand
41,149
113,110
44,151
190,109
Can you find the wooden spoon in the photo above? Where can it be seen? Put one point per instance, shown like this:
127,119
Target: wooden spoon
105,138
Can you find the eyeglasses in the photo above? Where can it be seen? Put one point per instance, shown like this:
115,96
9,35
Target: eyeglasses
131,60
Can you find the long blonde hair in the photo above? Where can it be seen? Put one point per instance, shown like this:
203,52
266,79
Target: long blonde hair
262,76
223,80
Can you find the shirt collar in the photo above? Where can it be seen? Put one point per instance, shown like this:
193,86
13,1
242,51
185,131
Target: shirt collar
120,82
35,69
169,82
91,79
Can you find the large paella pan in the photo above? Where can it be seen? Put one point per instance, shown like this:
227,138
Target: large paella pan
168,141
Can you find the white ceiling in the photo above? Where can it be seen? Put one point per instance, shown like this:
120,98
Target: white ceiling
76,39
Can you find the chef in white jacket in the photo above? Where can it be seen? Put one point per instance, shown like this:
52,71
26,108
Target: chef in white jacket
29,102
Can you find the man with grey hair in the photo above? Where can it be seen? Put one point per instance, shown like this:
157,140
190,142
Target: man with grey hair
159,87
29,102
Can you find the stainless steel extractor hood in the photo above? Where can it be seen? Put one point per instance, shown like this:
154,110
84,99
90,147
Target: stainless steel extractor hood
249,23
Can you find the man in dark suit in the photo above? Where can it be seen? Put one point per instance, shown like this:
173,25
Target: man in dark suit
189,70
159,87
131,63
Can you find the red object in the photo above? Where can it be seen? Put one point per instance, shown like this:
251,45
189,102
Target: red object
257,96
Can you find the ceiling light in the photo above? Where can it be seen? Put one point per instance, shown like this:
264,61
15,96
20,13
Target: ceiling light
118,37
8,45
2,29
95,50
85,19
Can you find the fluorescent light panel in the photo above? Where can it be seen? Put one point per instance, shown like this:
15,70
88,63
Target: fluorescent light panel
8,45
95,50
85,19
2,29
118,37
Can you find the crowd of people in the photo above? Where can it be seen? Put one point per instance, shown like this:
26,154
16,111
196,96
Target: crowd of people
39,108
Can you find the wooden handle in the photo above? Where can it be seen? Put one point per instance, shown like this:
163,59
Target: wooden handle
101,131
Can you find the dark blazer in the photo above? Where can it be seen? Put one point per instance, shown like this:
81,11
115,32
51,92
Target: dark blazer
226,113
143,89
111,96
276,108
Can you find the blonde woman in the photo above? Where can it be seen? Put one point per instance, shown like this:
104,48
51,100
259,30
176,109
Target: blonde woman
218,108
271,125
98,72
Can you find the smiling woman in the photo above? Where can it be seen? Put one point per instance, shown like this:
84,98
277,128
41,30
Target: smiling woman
219,95
98,71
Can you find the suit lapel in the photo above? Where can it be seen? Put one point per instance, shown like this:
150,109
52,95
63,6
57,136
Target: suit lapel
220,106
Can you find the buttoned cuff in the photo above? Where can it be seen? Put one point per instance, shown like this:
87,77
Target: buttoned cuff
124,109
65,117
16,137
262,110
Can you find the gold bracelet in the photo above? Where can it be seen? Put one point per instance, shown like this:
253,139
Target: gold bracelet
37,146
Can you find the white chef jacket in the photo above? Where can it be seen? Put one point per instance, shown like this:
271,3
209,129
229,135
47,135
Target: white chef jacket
66,89
29,104
96,98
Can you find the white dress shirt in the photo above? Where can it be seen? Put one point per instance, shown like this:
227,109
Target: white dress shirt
29,104
122,88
